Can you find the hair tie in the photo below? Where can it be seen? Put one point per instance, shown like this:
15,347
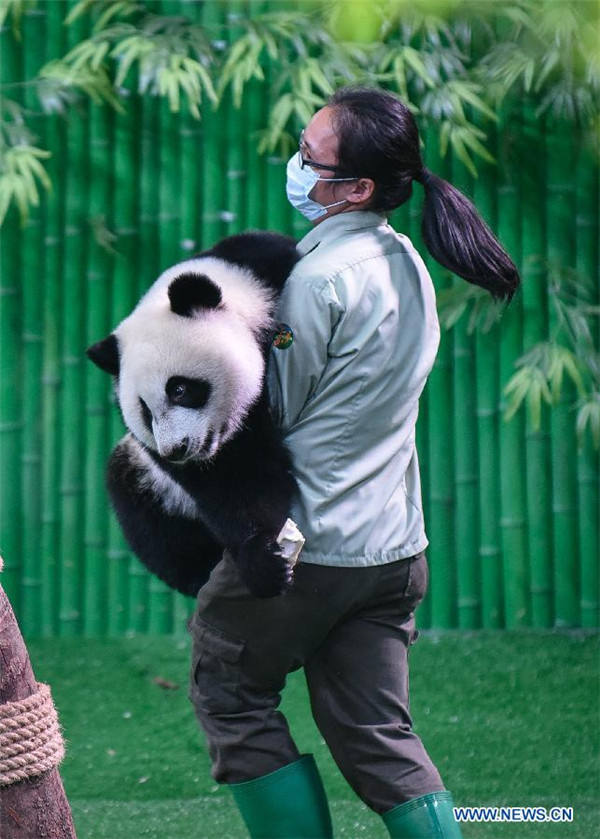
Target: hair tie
424,177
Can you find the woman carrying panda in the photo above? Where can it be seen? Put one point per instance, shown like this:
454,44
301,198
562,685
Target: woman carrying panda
360,309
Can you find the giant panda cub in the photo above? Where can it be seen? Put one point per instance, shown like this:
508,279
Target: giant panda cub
203,467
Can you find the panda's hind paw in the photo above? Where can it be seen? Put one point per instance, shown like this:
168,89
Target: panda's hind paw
263,569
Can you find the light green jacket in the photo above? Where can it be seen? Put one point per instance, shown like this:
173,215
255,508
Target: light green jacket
361,307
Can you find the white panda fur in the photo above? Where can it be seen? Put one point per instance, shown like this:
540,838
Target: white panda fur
247,309
173,498
187,482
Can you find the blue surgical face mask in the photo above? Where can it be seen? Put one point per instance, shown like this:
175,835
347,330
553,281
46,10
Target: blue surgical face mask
300,182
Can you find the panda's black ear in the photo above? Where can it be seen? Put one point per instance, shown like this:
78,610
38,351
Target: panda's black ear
190,292
105,355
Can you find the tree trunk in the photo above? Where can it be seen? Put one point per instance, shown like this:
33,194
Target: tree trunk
36,807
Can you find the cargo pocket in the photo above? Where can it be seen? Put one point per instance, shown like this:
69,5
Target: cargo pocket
215,677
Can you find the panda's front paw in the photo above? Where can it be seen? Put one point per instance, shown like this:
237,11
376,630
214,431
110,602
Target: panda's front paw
263,568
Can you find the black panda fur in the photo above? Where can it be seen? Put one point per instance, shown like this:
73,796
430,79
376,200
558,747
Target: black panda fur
179,508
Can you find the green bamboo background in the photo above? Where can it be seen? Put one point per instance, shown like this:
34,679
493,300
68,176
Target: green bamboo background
512,513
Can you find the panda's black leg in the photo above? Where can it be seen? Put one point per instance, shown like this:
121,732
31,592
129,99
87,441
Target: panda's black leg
180,551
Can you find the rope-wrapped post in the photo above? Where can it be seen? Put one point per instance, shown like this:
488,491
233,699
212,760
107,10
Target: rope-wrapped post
32,798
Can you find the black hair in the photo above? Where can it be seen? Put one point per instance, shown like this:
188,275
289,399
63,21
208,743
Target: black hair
378,139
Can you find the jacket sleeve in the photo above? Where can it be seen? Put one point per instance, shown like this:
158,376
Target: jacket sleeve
312,310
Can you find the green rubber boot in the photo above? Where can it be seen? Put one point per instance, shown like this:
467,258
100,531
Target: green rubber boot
289,803
427,817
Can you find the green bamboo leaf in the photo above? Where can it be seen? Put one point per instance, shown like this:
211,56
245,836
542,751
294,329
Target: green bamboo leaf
79,10
468,93
571,365
234,57
81,54
387,59
103,236
19,169
168,86
205,79
280,114
588,417
23,171
445,132
555,373
469,139
534,402
38,171
20,197
125,8
100,55
549,63
485,313
413,59
318,78
452,303
457,143
527,384
271,46
94,84
399,75
528,74
520,16
304,110
5,199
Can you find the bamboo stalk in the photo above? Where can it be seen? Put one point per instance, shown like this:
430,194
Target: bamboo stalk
136,226
55,137
97,383
255,205
538,469
513,522
588,461
561,255
73,347
466,473
160,597
191,139
279,213
442,492
407,220
11,373
169,186
487,387
213,150
237,132
32,337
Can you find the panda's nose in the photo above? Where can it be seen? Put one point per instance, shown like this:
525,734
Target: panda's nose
177,453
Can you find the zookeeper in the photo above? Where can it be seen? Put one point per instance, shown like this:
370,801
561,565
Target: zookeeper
360,340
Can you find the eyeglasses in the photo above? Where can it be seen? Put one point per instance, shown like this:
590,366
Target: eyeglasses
313,165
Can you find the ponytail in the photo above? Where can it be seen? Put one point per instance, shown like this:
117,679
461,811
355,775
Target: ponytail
458,238
378,139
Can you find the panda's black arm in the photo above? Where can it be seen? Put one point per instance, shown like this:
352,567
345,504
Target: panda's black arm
249,520
246,495
180,551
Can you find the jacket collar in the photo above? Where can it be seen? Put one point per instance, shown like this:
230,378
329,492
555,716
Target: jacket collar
335,226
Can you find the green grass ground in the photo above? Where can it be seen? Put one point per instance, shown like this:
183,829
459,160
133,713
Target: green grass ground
509,718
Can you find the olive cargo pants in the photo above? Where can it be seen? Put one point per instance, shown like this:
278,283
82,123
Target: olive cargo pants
350,628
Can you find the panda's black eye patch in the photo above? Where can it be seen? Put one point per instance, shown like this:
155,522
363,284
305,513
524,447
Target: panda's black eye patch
188,393
146,415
